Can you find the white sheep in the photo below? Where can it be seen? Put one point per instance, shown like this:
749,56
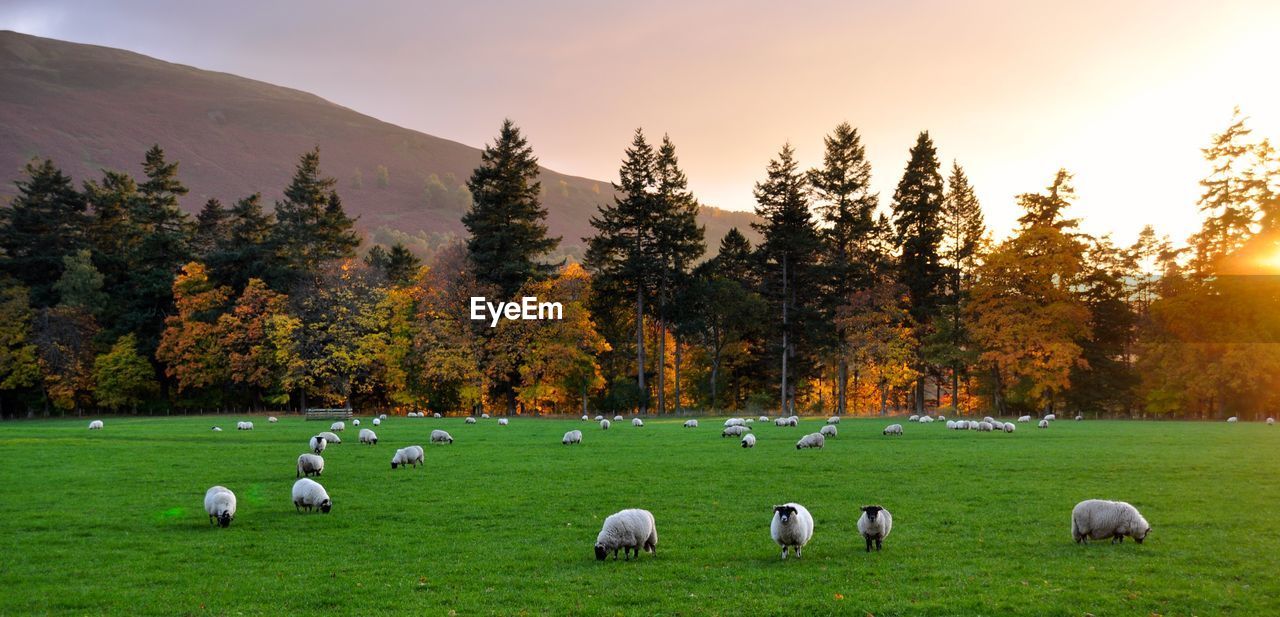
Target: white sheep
318,444
377,422
972,425
792,527
1079,417
913,418
308,493
793,421
985,426
220,504
1099,519
1271,421
502,421
338,427
1024,418
748,441
434,415
244,426
96,425
485,416
355,422
942,418
1043,424
599,418
617,418
828,431
1051,417
629,530
470,420
1233,419
749,421
833,420
331,437
925,419
812,440
734,422
893,429
382,416
272,419
637,422
411,455
763,419
309,465
439,436
951,424
584,418
1009,427
691,424
734,431
875,525
604,425
368,436
571,437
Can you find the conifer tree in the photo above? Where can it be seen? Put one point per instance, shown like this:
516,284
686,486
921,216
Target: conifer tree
45,222
311,228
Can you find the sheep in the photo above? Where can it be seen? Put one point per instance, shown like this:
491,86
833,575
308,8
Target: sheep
942,418
435,415
382,416
833,420
763,419
338,427
617,418
792,527
734,431
318,444
439,436
355,422
985,426
1271,421
629,530
308,493
244,426
309,465
484,416
217,429
691,424
411,414
793,421
780,422
1024,418
96,425
828,431
812,440
377,422
913,418
368,436
571,437
734,422
1099,519
893,429
748,441
470,420
502,421
875,525
1079,417
951,424
637,422
220,504
1009,427
749,421
604,425
272,419
1051,417
1231,420
331,437
584,418
972,425
411,455
599,418
1043,424
925,420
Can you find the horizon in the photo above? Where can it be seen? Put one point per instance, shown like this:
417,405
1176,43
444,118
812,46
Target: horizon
1110,91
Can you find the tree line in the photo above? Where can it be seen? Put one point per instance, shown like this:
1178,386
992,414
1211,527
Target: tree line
112,297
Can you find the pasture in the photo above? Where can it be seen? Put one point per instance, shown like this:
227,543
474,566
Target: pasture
503,521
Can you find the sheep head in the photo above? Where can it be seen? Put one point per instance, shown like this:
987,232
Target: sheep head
601,553
785,513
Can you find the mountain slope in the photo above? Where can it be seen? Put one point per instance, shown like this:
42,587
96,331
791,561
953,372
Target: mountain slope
90,108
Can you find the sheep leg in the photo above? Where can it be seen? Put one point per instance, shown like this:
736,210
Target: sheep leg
797,552
784,553
879,544
868,539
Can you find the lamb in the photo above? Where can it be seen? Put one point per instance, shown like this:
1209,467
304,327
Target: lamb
1231,420
985,426
1009,427
691,424
1043,424
439,436
571,437
812,440
913,418
637,422
411,455
1024,418
1051,417
338,427
308,493
792,527
470,420
377,422
96,425
833,420
1099,519
272,419
893,429
629,530
604,425
220,504
734,431
502,421
828,431
318,444
875,525
331,437
309,465
368,436
748,441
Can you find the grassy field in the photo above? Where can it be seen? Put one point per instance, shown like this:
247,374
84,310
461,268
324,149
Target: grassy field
503,521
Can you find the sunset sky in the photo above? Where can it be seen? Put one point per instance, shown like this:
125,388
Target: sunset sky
1124,95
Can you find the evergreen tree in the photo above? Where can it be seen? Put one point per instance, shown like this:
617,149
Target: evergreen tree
246,251
402,265
113,236
736,259
506,221
963,230
45,222
311,226
213,228
81,284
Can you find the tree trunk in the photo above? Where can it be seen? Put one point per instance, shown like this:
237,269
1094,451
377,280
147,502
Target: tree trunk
997,393
644,394
677,374
855,392
783,401
662,364
955,388
715,375
843,375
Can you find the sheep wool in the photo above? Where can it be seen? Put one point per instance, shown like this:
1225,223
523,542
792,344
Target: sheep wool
377,422
309,465
1009,427
411,455
792,527
308,493
217,429
1232,420
318,444
584,418
1043,424
734,431
748,441
382,416
985,426
272,419
470,420
913,418
828,431
1271,421
734,422
604,425
629,530
951,424
691,424
1099,519
439,436
368,436
617,418
812,440
875,525
637,422
435,415
1079,418
1024,418
571,437
763,419
925,420
1051,417
599,418
244,426
220,504
485,416
331,437
893,429
502,421
96,425
338,427
833,420
355,422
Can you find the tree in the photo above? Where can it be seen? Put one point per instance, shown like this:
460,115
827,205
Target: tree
81,284
19,365
63,337
1104,381
506,221
213,229
191,347
246,251
249,338
398,265
1236,194
311,227
560,360
45,222
963,231
123,378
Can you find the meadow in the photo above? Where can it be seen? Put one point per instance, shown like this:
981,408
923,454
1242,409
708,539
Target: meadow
503,521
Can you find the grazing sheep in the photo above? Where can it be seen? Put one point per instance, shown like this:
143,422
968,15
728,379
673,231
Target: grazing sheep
749,421
951,424
404,457
355,422
439,436
833,420
792,527
942,418
780,422
812,440
1271,421
309,465
828,431
1009,427
484,416
377,422
411,414
382,416
629,530
794,420
331,437
1024,418
435,415
571,437
604,425
368,436
972,425
913,418
748,441
599,418
96,425
244,426
338,427
584,418
691,424
1232,420
470,420
1079,418
617,418
217,429
985,426
308,493
764,418
272,419
893,429
1051,417
734,431
637,422
875,525
318,444
735,422
1043,424
220,504
1099,519
925,419
502,421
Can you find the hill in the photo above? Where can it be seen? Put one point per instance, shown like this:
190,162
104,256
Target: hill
89,108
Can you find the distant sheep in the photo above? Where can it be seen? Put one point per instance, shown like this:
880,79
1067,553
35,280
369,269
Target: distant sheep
925,419
1271,421
502,421
749,421
338,427
96,425
691,424
748,441
368,436
1043,424
244,426
1232,420
812,440
913,418
584,418
833,420
734,431
599,418
1099,519
1051,417
1024,418
951,424
828,431
985,426
377,422
470,420
217,429
618,418
435,415
331,438
355,422
439,436
763,419
637,422
792,527
1079,418
942,418
382,416
875,525
629,530
309,465
604,425
411,455
893,429
308,493
485,416
571,437
1009,427
735,422
318,444
272,419
220,504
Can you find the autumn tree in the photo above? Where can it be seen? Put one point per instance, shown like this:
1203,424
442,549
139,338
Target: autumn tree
19,365
122,377
559,364
191,346
251,338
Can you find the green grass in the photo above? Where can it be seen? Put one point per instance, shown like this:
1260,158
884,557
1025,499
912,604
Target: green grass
503,521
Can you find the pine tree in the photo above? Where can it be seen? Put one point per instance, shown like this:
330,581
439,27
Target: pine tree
963,230
213,228
311,226
246,251
81,284
45,222
506,221
402,265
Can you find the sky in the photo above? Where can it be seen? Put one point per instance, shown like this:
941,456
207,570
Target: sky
1122,94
